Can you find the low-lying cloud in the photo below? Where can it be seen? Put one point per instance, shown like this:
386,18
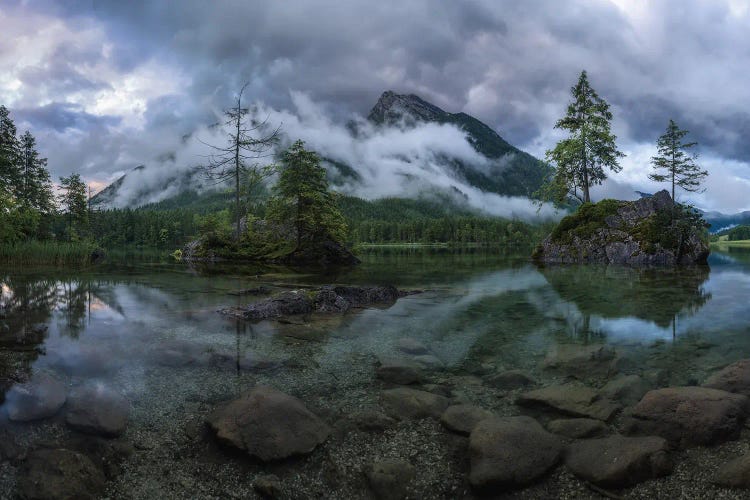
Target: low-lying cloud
397,161
392,161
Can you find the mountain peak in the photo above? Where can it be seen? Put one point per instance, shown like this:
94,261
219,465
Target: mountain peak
393,108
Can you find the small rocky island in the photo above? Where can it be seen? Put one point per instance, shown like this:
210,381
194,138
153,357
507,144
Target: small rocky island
649,231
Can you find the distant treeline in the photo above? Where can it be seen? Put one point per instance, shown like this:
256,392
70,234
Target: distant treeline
400,220
387,220
739,233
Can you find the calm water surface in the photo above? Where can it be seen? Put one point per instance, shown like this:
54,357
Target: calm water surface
151,332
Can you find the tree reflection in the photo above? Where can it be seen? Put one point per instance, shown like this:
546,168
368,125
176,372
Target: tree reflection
652,294
29,306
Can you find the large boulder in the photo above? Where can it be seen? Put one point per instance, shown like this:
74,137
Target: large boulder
570,399
688,416
510,452
641,232
618,461
59,474
97,410
39,398
268,425
733,378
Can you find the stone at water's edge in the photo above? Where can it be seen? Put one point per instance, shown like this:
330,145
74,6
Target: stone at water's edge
268,425
618,461
689,416
510,452
620,232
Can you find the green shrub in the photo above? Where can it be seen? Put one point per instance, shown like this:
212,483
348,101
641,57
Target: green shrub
585,221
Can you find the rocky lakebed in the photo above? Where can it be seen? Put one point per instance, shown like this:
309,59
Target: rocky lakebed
330,391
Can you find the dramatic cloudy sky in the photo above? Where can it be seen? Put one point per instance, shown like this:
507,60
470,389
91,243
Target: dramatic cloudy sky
108,85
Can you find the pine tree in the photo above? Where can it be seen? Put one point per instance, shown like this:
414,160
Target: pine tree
302,198
676,162
581,158
35,189
74,202
9,154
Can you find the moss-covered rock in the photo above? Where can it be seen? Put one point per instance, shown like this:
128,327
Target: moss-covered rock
649,231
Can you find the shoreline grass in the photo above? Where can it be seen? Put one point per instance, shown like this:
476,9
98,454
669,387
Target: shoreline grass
47,252
726,243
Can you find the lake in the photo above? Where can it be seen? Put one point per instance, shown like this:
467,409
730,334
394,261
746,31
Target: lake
150,333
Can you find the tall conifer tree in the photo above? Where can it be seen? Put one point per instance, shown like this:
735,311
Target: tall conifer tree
580,159
674,163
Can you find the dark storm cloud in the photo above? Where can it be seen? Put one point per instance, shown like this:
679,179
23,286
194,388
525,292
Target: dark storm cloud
509,63
61,117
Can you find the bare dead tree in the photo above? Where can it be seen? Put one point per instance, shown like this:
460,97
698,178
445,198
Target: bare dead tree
248,142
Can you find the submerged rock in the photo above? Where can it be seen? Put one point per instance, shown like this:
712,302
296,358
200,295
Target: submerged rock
463,418
398,371
267,485
39,398
371,420
570,399
253,362
59,474
641,232
578,428
86,361
268,425
389,479
733,378
510,452
580,361
411,346
98,411
627,389
406,403
177,353
509,380
688,416
735,473
618,461
326,299
9,447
